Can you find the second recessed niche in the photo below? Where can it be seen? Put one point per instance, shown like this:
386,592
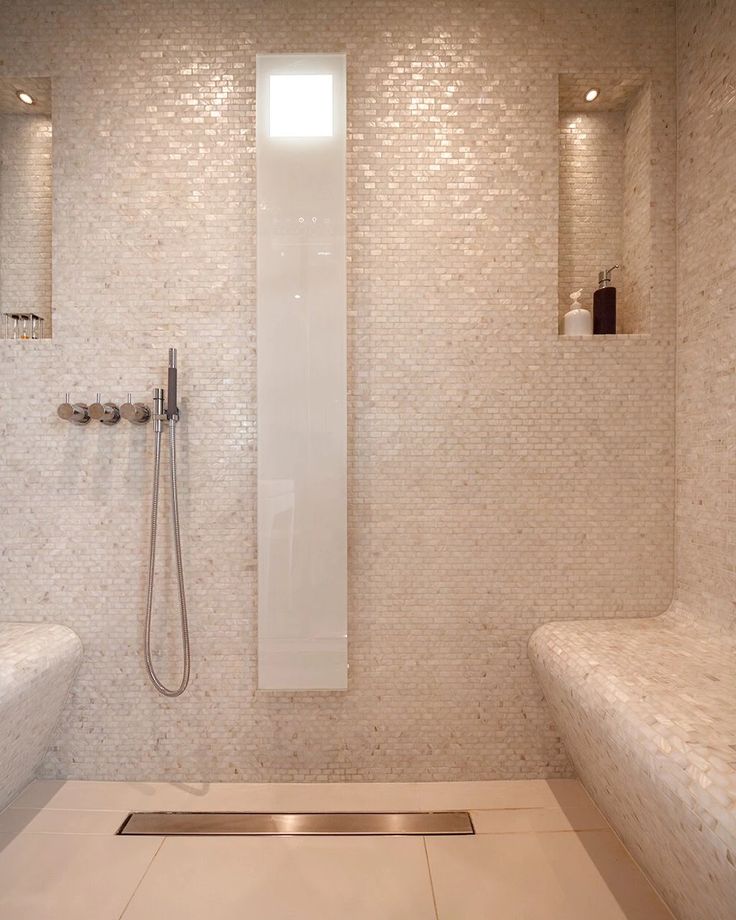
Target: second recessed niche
605,211
25,207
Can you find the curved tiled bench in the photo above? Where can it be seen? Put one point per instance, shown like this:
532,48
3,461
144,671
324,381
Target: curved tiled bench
647,709
38,662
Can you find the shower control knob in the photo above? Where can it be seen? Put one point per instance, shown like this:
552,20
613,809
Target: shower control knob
138,413
107,413
73,412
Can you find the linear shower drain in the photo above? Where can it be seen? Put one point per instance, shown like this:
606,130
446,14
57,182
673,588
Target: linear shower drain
212,823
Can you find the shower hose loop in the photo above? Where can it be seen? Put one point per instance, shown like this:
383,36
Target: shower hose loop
157,683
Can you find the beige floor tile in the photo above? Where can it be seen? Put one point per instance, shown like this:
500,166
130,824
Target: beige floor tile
553,876
59,821
530,793
56,877
281,878
568,792
298,796
583,817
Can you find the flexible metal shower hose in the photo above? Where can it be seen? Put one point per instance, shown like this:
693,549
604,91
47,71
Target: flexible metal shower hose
162,688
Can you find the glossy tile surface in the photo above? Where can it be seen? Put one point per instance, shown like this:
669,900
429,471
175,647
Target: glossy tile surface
498,477
275,878
60,821
556,876
541,852
645,709
38,664
537,820
70,877
301,796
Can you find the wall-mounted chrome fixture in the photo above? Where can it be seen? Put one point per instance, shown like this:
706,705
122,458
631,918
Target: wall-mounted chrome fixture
170,415
73,412
107,413
138,413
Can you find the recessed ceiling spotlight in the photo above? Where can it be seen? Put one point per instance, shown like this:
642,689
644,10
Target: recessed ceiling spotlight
24,97
591,95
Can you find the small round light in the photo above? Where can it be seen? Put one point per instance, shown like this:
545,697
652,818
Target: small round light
24,97
591,95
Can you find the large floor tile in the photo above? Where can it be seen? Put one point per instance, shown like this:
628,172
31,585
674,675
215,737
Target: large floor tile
583,817
59,821
57,877
552,876
323,878
530,793
118,796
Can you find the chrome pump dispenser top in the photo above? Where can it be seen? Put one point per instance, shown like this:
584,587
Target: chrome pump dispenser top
604,277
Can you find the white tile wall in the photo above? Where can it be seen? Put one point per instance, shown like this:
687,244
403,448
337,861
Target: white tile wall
38,663
706,335
498,477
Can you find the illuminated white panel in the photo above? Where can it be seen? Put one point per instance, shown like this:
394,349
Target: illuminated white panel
302,386
300,105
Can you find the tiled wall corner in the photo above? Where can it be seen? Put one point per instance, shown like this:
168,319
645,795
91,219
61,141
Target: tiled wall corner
706,333
637,214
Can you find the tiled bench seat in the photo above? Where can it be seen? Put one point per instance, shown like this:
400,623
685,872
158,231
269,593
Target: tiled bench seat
38,662
647,710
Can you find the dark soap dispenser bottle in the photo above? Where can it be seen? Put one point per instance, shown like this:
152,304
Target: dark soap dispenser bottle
604,305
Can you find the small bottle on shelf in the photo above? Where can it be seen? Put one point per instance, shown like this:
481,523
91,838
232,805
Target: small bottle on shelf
604,304
578,320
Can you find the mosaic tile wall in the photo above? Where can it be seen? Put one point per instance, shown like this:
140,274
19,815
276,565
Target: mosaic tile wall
706,336
25,215
645,708
637,216
499,477
38,662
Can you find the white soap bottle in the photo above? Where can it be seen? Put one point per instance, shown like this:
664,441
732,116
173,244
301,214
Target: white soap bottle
578,320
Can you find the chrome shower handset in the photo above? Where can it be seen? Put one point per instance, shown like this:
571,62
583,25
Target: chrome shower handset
172,410
171,415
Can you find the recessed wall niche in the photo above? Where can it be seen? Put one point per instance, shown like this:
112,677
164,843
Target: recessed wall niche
605,208
25,207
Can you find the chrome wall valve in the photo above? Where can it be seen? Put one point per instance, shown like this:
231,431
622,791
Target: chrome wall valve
107,413
73,412
138,413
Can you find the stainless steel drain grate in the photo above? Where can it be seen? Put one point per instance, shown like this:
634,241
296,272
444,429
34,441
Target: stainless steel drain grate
213,823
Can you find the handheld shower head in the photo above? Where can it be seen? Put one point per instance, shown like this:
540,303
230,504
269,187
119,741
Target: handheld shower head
172,410
172,414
